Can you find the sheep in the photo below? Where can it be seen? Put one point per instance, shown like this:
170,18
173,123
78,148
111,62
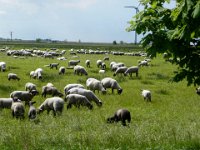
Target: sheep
56,104
101,71
106,58
94,84
116,65
32,113
130,70
49,84
30,86
17,109
73,62
87,63
61,70
120,115
77,100
38,73
53,65
147,95
99,63
120,70
111,83
87,93
103,66
3,66
24,95
5,103
51,90
198,90
13,76
70,86
80,70
143,63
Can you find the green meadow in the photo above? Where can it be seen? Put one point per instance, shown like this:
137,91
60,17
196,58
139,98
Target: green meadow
171,121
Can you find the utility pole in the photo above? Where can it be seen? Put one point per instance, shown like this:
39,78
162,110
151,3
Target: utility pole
11,33
137,10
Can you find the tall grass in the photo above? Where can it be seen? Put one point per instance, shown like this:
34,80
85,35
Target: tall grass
170,121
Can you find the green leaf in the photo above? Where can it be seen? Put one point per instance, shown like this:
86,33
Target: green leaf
196,12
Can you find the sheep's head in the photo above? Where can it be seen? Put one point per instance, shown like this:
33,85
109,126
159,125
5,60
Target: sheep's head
110,120
198,91
60,94
100,103
34,92
90,107
120,91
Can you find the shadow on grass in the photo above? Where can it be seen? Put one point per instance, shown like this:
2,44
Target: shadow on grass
6,88
157,76
147,82
163,92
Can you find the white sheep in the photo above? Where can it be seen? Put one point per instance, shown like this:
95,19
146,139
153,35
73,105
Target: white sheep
120,70
13,76
32,74
38,73
111,83
87,63
99,63
5,103
49,84
56,104
61,70
51,90
130,70
106,58
17,109
94,84
198,90
101,71
53,65
32,113
2,66
77,100
146,95
116,65
73,63
73,85
87,93
30,86
80,70
143,63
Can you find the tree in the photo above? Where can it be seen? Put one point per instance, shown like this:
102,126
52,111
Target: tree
174,31
114,42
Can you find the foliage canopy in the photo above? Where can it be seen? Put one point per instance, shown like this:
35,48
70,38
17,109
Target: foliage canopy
174,31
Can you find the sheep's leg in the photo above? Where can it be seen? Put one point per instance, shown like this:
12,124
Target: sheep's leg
54,113
13,114
69,106
112,90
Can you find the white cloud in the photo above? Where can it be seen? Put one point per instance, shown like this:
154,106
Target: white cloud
80,4
2,12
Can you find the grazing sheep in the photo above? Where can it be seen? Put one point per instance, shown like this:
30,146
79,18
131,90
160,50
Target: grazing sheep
103,66
120,70
38,73
17,109
99,63
120,115
94,84
87,63
111,83
77,100
56,104
147,95
198,90
30,86
32,113
62,70
13,76
143,63
101,71
2,66
73,63
80,70
5,103
51,90
106,58
49,84
32,74
87,93
130,70
114,66
70,86
24,95
53,65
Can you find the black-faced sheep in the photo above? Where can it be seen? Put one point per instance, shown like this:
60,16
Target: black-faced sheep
146,95
24,95
61,70
80,70
87,63
103,65
6,103
13,76
56,104
111,83
30,86
51,90
114,66
2,66
87,93
99,63
73,63
38,73
70,86
131,70
106,58
120,70
94,84
120,115
143,63
198,90
32,113
77,100
17,109
32,74
53,65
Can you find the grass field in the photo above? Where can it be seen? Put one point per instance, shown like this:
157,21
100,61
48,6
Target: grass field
171,121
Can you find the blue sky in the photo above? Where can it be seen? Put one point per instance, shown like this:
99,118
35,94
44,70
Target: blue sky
71,20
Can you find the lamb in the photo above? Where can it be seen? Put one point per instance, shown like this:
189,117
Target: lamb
103,65
94,84
120,115
120,70
77,100
130,70
32,113
3,66
87,63
5,103
99,63
198,90
24,95
53,65
111,83
30,86
143,63
13,76
70,86
51,90
38,73
87,93
147,95
106,58
80,70
56,104
61,70
73,62
17,109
